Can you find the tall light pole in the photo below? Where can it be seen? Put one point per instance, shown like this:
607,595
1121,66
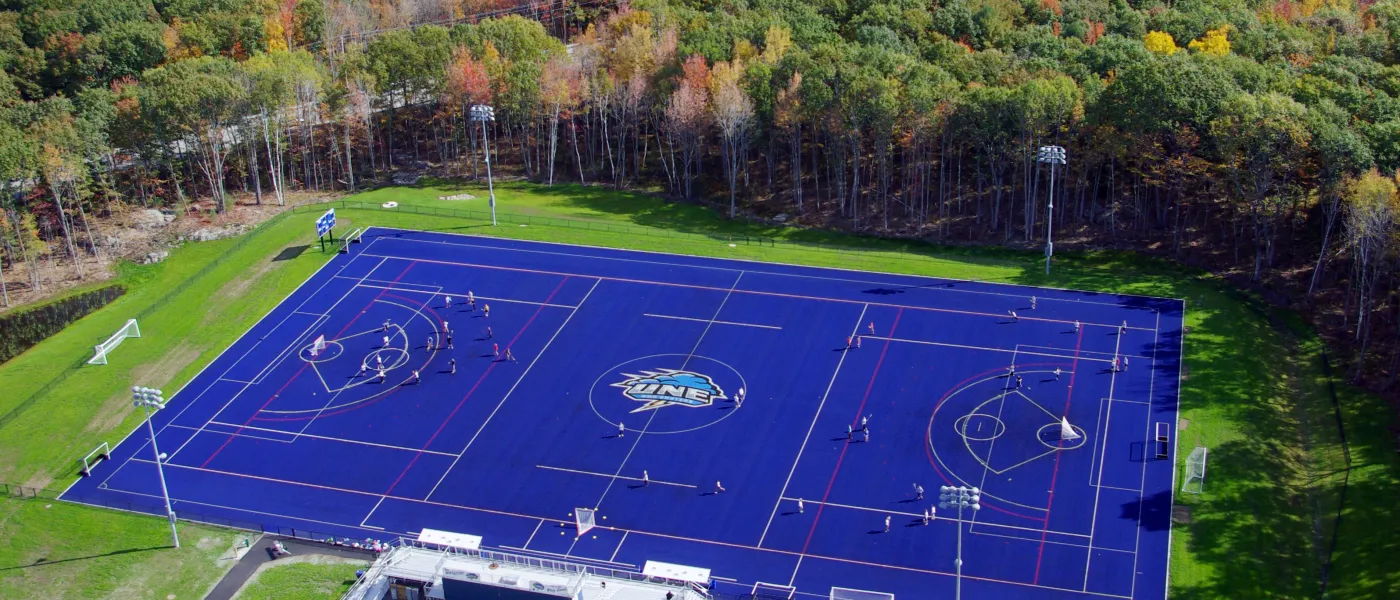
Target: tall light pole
484,113
960,497
1055,155
150,399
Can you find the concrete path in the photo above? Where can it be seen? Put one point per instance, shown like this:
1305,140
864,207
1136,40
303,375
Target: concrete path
261,554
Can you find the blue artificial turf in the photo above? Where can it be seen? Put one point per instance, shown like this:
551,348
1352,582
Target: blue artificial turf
270,435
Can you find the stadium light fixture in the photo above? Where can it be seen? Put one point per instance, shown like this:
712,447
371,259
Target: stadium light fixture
1055,155
961,497
484,113
152,400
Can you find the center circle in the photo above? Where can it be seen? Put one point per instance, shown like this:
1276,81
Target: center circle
667,393
978,419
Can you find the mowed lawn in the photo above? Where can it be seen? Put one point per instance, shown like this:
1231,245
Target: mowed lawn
1256,394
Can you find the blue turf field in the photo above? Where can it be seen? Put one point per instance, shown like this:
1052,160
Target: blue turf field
661,343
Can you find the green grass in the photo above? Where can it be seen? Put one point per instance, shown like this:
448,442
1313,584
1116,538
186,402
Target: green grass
301,581
1255,395
56,550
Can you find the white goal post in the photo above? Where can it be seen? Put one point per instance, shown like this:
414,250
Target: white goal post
129,330
840,593
1195,472
585,519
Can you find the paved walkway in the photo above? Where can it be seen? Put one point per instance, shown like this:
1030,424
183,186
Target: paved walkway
259,555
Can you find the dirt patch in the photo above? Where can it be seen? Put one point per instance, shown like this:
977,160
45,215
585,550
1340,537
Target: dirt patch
236,287
164,369
39,481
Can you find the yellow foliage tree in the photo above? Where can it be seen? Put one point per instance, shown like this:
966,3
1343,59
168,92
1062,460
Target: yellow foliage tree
1215,42
1160,42
776,42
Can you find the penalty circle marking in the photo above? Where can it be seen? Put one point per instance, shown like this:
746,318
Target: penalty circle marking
332,351
1060,444
960,426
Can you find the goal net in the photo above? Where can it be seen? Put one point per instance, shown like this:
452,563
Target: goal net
1195,471
129,330
1067,432
585,519
838,593
318,346
101,453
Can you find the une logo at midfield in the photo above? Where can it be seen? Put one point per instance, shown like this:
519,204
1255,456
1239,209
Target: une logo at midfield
670,387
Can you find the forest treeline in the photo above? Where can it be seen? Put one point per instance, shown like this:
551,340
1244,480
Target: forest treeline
1259,138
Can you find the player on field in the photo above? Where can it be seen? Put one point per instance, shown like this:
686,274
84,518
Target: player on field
1122,329
510,357
739,398
495,349
449,301
887,523
381,374
857,342
1057,373
1032,302
621,428
489,334
918,492
415,376
386,342
799,506
486,310
646,479
871,327
1014,318
453,364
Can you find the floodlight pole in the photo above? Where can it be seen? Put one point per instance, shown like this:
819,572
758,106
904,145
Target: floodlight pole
149,399
961,497
1055,155
484,113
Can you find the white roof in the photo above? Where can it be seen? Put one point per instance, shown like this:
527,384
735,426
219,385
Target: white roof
681,572
450,539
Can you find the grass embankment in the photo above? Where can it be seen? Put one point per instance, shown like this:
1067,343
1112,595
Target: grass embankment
56,550
301,581
1255,394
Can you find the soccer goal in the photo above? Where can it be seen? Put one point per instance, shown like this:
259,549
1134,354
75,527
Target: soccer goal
129,330
1195,471
101,453
840,593
585,519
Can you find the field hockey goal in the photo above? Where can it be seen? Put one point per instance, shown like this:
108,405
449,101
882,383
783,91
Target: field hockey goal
99,454
840,593
1195,471
584,517
129,330
318,346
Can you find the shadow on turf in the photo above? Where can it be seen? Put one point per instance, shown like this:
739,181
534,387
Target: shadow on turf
290,252
45,562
